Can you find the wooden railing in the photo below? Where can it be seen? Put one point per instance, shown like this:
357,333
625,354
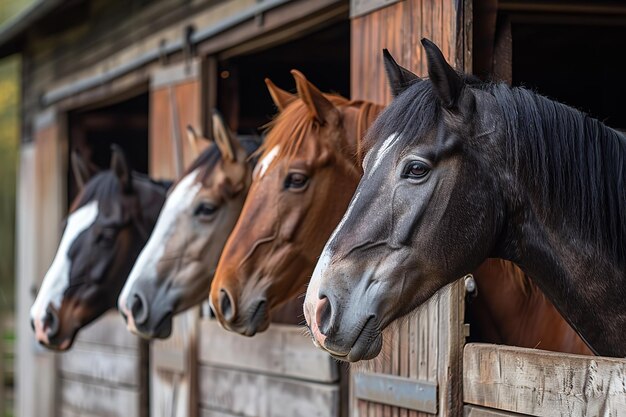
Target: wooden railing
500,380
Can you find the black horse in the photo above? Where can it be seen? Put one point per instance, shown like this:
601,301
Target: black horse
459,172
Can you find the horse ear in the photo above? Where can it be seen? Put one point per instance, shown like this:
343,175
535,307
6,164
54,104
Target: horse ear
194,139
323,110
399,78
120,166
447,83
81,171
223,137
280,97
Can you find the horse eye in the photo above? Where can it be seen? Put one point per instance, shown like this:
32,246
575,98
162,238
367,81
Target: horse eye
107,236
296,181
204,210
416,170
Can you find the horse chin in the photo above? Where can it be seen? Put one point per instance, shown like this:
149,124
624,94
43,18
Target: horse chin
367,346
61,344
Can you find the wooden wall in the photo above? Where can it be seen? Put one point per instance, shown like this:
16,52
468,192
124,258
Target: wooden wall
399,28
427,346
278,373
105,374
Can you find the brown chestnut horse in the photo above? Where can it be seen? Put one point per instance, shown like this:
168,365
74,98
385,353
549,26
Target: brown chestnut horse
108,224
308,171
175,269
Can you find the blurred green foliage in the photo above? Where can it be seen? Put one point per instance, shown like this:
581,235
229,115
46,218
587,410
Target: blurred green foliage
9,140
10,8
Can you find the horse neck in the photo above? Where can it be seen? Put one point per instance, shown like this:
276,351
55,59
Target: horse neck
571,264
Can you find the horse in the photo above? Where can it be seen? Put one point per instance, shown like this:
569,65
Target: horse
508,309
458,173
309,168
174,270
108,224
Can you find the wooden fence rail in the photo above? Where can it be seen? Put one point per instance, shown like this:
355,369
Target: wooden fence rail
539,383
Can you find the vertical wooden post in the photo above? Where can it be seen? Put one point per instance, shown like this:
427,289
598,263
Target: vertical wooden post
41,204
173,362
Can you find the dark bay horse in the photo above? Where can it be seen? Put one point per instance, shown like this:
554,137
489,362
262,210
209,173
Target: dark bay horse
175,269
309,169
109,222
509,309
458,173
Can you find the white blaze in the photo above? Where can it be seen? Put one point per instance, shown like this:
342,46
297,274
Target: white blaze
323,263
57,279
179,200
264,164
383,150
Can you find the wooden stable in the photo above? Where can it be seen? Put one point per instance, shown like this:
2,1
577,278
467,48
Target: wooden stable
168,63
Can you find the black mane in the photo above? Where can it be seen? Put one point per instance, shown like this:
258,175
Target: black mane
576,163
105,185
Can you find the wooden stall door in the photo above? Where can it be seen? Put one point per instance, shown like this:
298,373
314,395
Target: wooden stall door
419,371
175,102
39,212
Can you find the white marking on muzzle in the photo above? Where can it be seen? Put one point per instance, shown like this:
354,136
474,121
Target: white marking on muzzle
179,201
265,163
57,279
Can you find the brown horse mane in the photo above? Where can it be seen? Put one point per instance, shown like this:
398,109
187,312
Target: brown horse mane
290,127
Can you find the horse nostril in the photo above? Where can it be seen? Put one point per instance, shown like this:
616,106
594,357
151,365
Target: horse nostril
139,309
51,323
226,306
323,313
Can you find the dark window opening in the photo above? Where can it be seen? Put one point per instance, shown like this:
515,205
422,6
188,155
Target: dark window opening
93,131
323,57
575,64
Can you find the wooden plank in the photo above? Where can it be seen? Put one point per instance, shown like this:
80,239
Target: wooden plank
392,390
85,398
109,330
475,411
101,366
362,7
281,350
34,367
535,382
257,395
204,412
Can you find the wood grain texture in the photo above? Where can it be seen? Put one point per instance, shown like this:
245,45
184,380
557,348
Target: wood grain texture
541,383
34,366
174,382
259,395
98,400
185,95
98,365
474,411
282,350
428,344
214,413
110,331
